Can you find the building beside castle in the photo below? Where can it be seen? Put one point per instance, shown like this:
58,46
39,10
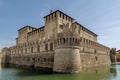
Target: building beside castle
62,45
0,59
113,53
118,55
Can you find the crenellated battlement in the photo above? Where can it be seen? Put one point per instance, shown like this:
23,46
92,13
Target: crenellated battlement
67,42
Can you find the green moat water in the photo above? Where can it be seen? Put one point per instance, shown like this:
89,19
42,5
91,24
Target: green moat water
99,73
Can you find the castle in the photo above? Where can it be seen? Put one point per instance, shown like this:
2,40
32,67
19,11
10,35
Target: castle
62,45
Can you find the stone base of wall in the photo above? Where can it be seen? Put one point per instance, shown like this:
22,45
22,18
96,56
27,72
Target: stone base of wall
93,60
67,60
44,60
40,69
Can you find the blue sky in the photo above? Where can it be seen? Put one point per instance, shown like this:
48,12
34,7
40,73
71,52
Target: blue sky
100,16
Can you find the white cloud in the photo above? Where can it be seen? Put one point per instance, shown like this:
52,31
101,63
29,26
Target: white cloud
109,33
45,10
110,41
6,43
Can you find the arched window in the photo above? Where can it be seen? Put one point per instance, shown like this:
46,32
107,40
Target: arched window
70,40
33,59
60,41
46,47
95,51
51,46
76,41
84,40
67,40
25,50
83,50
87,41
31,49
66,17
63,40
63,16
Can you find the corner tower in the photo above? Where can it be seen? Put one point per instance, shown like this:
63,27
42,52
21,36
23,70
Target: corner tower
67,56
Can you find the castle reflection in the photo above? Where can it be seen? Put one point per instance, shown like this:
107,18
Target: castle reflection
99,73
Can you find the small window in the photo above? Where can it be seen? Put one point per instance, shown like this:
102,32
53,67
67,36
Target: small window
70,41
67,40
25,50
84,40
31,49
95,51
63,16
76,40
83,50
46,47
38,59
96,58
33,59
38,48
66,17
51,46
63,40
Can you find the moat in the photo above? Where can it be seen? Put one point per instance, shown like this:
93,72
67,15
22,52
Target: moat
100,73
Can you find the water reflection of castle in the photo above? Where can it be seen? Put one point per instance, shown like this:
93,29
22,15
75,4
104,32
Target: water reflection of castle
62,45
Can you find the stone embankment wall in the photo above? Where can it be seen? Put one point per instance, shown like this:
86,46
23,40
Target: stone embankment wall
92,57
43,60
